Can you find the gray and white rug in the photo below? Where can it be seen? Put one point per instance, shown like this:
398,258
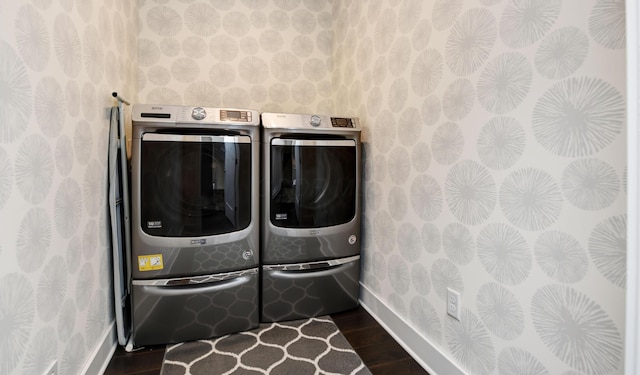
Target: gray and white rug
308,346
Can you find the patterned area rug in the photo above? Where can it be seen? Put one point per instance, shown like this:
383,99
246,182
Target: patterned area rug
308,346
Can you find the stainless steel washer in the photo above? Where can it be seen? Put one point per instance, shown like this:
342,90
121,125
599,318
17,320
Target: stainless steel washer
195,230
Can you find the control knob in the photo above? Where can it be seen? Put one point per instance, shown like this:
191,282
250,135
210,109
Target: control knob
198,113
315,121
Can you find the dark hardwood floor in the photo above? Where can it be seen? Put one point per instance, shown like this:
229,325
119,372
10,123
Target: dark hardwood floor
378,350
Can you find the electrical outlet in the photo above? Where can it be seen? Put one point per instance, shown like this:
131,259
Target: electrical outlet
453,303
53,369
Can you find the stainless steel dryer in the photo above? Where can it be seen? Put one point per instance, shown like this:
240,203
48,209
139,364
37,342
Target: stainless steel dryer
195,227
311,215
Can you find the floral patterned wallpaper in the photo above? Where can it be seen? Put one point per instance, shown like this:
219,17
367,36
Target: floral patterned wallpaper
257,54
59,63
495,166
494,159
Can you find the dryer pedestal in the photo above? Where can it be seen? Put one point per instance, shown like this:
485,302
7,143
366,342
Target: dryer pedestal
312,289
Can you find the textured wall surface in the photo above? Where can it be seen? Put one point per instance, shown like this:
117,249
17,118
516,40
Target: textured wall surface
59,63
495,165
264,55
495,158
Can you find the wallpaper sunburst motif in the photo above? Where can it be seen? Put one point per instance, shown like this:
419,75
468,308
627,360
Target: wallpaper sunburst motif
516,180
59,63
494,158
267,55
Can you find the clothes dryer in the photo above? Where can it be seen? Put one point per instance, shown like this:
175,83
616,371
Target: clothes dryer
195,222
311,197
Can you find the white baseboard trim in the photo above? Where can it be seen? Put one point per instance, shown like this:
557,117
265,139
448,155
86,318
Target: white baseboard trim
99,359
428,356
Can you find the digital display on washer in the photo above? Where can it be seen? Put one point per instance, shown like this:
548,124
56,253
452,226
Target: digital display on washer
227,115
341,122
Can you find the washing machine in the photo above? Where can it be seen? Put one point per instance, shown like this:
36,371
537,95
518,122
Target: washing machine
311,215
195,222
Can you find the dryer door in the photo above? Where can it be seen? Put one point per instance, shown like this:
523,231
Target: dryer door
194,185
313,182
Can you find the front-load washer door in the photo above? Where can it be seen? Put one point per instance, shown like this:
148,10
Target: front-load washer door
313,183
194,185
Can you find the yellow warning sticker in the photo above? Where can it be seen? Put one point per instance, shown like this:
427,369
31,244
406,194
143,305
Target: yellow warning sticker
150,262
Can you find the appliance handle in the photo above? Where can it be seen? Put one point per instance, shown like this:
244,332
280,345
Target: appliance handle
313,142
188,289
313,272
161,137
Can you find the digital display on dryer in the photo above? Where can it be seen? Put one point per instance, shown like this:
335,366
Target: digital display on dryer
341,122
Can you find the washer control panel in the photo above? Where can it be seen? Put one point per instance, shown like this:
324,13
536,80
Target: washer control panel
199,113
188,116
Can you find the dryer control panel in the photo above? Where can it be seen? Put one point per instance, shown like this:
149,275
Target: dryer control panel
342,122
310,123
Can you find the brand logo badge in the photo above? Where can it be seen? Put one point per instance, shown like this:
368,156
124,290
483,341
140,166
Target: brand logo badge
247,254
352,239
